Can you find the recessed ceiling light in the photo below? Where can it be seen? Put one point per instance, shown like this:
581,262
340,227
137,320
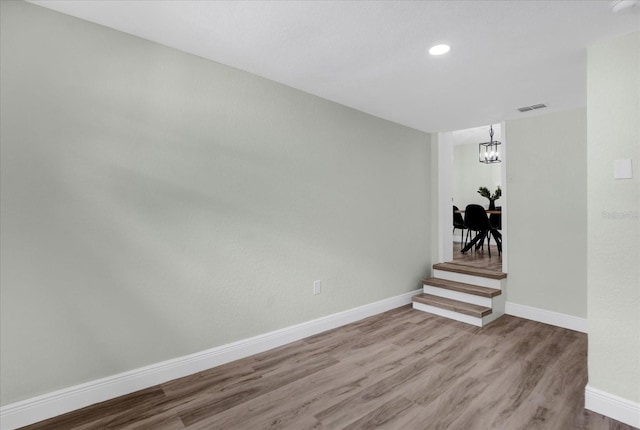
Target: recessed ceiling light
625,6
439,49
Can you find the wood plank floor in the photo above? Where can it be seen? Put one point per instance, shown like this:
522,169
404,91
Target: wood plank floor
478,258
402,369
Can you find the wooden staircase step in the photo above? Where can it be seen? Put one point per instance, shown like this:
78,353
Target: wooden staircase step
453,305
461,287
469,270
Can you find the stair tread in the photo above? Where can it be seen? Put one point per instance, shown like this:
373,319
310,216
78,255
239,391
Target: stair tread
462,287
453,305
469,270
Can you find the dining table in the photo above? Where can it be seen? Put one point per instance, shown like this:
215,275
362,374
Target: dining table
478,240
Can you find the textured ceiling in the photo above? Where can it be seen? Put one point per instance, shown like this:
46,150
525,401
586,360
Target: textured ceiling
371,55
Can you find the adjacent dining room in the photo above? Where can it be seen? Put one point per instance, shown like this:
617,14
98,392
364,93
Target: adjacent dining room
476,192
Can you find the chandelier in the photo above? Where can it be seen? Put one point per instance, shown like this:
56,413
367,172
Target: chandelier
488,152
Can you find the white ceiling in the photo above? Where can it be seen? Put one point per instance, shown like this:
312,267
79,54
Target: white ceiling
371,55
475,135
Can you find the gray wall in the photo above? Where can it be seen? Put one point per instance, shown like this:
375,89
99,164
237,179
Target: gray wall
547,220
156,204
613,106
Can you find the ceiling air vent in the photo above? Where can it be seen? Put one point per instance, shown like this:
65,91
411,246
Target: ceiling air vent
532,107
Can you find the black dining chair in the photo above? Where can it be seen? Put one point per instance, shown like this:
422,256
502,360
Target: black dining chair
458,222
476,219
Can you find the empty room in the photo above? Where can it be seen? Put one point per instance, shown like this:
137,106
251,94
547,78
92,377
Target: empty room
319,214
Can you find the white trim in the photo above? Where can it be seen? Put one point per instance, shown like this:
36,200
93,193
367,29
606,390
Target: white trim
445,186
612,406
49,405
504,198
548,317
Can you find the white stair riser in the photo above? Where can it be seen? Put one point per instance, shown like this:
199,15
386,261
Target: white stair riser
457,295
478,322
469,279
448,314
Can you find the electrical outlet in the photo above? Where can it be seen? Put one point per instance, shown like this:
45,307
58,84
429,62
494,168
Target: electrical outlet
317,287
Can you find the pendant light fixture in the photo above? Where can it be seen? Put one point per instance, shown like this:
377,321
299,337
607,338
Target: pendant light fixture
488,152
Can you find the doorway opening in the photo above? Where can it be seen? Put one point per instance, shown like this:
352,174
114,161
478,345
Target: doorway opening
460,176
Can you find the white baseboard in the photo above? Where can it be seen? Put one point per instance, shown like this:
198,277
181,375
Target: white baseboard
612,406
548,317
49,405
